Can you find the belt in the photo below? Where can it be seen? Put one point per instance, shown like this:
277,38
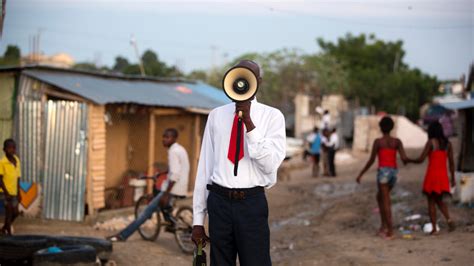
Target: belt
235,193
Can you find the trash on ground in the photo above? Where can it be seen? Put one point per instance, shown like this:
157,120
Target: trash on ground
413,217
428,228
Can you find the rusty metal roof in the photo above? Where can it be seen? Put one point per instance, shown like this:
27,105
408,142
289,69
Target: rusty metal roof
109,88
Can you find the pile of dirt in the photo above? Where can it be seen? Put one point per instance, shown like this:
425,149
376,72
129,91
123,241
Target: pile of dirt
366,130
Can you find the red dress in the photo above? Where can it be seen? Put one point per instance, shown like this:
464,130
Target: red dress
436,178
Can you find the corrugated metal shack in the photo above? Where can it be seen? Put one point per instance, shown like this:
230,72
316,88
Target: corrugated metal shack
465,124
79,133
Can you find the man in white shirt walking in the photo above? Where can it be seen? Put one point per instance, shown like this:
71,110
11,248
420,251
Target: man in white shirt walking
331,142
236,205
177,185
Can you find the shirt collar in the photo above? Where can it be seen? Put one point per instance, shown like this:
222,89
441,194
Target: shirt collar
174,145
5,159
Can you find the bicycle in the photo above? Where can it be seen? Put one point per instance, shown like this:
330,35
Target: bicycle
182,219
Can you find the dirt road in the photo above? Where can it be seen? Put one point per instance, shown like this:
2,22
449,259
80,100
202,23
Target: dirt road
320,221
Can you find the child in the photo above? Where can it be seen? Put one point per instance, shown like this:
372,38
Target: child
385,148
315,150
436,181
9,184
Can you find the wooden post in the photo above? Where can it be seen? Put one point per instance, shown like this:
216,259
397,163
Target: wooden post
89,183
151,149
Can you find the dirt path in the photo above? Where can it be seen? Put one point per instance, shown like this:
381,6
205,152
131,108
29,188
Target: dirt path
323,221
333,222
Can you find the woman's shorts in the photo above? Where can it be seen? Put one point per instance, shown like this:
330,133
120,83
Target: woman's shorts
387,175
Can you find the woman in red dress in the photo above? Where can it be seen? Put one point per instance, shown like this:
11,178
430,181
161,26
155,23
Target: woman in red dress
436,183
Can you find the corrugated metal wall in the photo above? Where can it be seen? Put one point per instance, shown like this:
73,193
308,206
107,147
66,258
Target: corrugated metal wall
65,160
29,140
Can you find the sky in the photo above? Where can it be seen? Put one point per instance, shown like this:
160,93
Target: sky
438,35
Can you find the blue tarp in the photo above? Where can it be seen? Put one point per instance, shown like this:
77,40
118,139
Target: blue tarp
459,105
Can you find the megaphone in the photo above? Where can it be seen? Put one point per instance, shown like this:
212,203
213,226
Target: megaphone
240,84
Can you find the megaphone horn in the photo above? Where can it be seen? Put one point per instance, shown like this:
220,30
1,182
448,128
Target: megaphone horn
240,84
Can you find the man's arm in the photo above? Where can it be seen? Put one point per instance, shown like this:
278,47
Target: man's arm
268,149
204,171
206,160
173,176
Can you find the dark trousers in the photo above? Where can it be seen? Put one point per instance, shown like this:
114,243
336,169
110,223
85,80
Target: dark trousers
331,158
239,227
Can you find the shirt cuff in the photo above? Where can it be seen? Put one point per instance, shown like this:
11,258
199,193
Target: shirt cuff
198,219
254,136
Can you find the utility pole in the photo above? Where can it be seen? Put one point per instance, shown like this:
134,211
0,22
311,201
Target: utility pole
396,62
133,42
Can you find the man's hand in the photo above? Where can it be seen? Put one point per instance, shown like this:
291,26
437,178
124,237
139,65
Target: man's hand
244,107
164,199
199,235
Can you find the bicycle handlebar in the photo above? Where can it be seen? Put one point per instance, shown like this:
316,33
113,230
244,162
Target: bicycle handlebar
153,177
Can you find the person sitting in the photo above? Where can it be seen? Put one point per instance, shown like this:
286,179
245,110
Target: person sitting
177,185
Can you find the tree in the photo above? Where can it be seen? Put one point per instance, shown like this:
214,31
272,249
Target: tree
88,66
11,56
121,63
197,75
377,75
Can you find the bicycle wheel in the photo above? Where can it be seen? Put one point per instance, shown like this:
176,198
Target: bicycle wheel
184,228
150,229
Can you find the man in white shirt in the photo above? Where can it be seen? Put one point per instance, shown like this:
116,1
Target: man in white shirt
236,205
331,142
176,186
326,120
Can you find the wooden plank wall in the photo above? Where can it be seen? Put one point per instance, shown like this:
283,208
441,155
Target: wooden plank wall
96,158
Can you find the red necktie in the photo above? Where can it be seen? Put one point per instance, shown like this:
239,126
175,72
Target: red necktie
233,142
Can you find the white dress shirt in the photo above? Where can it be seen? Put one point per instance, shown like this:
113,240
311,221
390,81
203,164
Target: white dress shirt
178,169
264,150
332,142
